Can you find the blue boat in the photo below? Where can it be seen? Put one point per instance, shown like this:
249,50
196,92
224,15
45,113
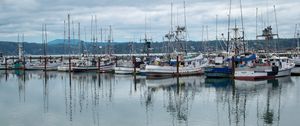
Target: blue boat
218,72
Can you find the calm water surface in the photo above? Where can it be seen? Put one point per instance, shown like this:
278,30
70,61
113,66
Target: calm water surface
89,99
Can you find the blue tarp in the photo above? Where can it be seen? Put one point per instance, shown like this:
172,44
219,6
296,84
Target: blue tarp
243,59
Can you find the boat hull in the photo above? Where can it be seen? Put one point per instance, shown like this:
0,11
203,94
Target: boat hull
218,72
170,71
295,71
125,70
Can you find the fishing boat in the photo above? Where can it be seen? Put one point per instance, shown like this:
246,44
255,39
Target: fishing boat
264,69
253,69
185,67
107,65
218,69
85,64
296,58
128,66
20,63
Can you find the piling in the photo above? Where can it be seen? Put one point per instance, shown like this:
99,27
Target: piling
45,64
99,60
6,64
233,66
134,65
40,59
116,61
177,66
69,64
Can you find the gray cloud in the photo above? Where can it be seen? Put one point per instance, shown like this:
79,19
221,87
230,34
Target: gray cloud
127,17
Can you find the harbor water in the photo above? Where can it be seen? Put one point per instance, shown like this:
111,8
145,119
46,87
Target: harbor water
37,98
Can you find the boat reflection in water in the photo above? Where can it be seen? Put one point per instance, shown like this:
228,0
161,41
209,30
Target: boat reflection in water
53,98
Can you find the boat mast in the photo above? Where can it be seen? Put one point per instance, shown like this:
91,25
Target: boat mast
243,30
185,27
23,45
256,21
69,34
216,43
110,40
80,42
64,36
228,34
203,38
96,35
297,35
276,28
92,35
19,48
45,41
73,31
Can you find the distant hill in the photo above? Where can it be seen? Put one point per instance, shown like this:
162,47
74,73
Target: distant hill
58,47
62,41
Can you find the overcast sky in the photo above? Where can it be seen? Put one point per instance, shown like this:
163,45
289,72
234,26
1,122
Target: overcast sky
127,17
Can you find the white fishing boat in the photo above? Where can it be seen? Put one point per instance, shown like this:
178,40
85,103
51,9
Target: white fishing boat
107,65
85,64
191,66
127,66
264,69
35,65
284,64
